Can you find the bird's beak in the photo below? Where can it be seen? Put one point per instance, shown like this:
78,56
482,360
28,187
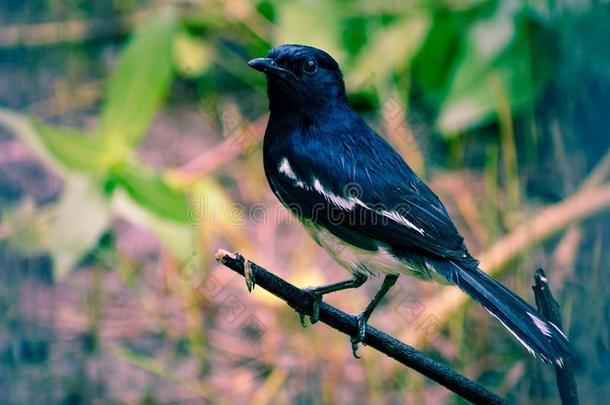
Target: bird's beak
267,65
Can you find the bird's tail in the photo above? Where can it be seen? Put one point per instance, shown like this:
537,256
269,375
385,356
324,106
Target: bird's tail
538,335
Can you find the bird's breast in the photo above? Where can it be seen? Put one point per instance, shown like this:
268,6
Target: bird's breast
370,262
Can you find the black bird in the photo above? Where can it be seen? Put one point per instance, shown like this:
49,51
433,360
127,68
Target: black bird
361,202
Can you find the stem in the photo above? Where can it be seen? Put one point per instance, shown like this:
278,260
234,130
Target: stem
550,309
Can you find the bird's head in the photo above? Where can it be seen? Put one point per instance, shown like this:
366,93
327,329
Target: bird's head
300,76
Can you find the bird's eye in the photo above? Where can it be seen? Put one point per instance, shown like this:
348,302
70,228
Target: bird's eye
310,66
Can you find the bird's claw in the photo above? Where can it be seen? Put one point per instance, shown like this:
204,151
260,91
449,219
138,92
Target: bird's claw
315,310
354,342
359,337
302,319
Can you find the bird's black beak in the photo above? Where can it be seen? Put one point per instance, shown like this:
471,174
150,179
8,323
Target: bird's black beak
267,65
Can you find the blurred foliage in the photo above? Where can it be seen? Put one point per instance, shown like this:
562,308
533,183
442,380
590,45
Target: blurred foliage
94,165
474,84
463,58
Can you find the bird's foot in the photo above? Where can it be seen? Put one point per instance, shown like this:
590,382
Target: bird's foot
248,274
359,337
315,310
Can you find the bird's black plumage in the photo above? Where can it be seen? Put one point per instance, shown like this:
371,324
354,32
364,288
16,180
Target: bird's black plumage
362,202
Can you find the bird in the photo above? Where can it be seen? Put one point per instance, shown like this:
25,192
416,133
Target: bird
360,201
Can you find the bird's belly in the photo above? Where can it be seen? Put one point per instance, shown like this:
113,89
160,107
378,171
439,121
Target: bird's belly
365,261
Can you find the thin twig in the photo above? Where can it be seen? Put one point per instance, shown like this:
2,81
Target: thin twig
599,173
550,309
302,302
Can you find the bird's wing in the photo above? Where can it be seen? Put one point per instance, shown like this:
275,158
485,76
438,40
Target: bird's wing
374,199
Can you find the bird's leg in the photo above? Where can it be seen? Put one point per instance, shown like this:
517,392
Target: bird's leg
363,317
356,281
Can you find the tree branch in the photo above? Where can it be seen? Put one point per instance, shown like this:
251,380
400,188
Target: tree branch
302,302
550,309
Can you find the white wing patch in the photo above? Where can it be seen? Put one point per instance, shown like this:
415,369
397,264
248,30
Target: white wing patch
359,202
393,215
286,169
333,198
343,203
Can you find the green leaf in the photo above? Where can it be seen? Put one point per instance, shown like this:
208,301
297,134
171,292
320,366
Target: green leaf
438,52
497,62
82,216
178,237
76,150
390,49
22,127
63,150
151,192
139,81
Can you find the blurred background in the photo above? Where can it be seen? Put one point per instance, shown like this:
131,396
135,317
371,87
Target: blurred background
130,152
